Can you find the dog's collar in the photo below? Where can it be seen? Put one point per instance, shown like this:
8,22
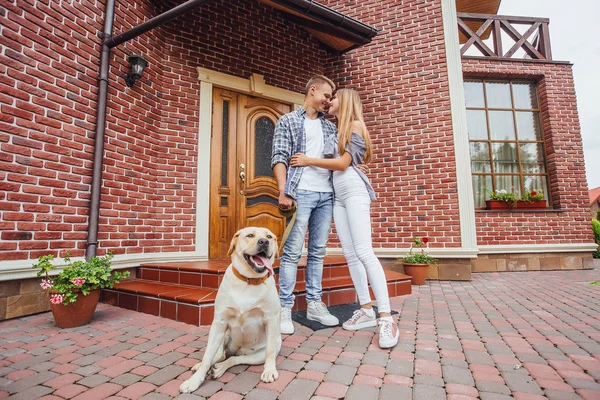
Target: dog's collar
249,281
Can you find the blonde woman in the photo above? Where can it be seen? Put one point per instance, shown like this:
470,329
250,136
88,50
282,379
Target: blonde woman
352,212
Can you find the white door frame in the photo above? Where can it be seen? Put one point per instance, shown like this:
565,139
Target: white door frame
255,86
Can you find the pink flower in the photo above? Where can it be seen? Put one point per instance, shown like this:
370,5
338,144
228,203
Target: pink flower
46,283
78,281
56,298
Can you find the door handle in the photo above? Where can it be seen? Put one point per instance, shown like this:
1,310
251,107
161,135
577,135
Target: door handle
243,173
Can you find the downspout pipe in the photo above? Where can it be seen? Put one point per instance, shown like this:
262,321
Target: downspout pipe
108,42
92,236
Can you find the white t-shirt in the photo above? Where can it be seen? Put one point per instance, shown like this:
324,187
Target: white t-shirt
313,178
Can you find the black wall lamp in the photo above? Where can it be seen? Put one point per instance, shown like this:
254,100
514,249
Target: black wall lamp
138,63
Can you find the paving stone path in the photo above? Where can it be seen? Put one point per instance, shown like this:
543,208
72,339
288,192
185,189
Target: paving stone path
521,335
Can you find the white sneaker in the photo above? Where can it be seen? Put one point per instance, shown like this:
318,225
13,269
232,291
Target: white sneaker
360,320
286,325
388,333
317,311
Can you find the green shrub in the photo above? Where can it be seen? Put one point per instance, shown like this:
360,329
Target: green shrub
596,227
77,277
418,258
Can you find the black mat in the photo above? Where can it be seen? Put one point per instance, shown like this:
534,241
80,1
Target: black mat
343,312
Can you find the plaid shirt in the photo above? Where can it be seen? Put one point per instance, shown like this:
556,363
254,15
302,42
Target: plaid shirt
289,139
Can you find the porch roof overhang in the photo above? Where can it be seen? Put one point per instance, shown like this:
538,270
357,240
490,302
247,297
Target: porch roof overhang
335,30
338,32
476,7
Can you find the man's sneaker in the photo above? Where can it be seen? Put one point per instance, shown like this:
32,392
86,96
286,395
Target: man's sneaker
388,333
360,320
317,311
286,325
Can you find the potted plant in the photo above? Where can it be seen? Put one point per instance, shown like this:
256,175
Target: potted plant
417,264
503,200
75,291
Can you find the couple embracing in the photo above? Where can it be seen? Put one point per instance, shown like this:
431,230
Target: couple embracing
316,166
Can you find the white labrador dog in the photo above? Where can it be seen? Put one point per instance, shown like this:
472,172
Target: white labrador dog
245,329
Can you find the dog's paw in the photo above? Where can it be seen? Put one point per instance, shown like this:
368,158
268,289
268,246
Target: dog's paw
191,384
195,367
219,369
269,375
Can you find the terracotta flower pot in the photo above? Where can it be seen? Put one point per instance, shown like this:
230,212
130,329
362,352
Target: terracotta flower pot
417,272
78,313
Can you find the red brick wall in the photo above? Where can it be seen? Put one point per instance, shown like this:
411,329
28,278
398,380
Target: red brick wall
403,80
566,169
48,65
48,74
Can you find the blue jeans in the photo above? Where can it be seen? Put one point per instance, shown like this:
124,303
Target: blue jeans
315,210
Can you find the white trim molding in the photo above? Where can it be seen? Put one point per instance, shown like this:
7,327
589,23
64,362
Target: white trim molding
538,248
459,252
466,204
203,165
21,269
254,85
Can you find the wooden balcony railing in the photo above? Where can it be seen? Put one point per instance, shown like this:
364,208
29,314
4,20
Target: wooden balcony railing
492,34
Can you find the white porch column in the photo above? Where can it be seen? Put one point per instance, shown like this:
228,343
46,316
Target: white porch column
466,203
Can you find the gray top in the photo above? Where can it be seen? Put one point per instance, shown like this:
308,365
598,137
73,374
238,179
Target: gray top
356,148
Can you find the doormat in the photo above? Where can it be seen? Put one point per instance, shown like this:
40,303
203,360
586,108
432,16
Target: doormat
342,311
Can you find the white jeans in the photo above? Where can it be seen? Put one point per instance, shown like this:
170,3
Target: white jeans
352,216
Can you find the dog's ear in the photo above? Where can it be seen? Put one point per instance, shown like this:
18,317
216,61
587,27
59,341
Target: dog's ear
233,242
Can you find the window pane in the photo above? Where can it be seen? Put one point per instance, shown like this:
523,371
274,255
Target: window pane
477,124
474,94
537,183
525,95
225,143
528,125
264,130
480,157
502,125
505,158
498,94
532,158
510,183
261,199
480,184
506,145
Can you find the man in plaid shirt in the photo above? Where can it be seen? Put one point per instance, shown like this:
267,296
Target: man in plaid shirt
305,130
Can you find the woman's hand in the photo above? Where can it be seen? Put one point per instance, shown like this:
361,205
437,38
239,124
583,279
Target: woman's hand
299,160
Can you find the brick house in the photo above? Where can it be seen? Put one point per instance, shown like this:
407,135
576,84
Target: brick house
451,112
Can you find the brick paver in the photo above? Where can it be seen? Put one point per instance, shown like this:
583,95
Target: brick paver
523,336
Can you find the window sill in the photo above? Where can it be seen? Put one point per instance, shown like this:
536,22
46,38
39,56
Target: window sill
546,210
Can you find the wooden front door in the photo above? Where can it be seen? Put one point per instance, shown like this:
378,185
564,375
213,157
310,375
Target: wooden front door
243,189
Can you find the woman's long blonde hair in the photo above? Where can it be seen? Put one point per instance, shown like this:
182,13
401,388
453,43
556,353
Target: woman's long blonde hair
350,110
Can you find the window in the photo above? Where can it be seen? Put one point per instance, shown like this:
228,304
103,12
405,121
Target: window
505,137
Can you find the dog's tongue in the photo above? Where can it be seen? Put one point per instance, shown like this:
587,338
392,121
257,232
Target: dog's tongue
264,261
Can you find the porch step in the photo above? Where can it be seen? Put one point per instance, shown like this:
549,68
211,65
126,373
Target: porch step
186,291
210,273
